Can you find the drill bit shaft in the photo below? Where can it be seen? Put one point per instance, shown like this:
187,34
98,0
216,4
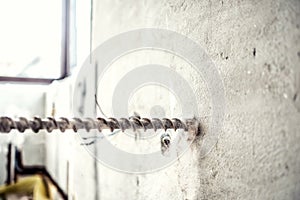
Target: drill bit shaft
36,124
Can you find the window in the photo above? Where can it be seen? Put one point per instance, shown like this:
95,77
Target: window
37,40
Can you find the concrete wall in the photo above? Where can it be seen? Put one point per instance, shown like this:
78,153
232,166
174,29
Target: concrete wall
255,46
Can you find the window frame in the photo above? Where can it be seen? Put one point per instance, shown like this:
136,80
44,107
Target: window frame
65,52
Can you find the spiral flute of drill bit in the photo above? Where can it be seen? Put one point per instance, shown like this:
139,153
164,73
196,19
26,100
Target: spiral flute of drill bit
134,123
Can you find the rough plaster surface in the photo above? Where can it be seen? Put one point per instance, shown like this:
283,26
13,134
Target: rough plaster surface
256,48
257,154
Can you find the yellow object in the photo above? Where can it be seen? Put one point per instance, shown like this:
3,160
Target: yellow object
35,185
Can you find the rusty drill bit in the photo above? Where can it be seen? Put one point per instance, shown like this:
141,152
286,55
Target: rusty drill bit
49,124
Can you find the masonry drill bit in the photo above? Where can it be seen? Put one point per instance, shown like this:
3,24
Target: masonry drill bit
134,123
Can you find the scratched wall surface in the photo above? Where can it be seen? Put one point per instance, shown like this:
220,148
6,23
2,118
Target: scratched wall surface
256,48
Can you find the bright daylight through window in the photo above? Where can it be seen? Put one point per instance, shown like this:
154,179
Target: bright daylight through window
31,38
